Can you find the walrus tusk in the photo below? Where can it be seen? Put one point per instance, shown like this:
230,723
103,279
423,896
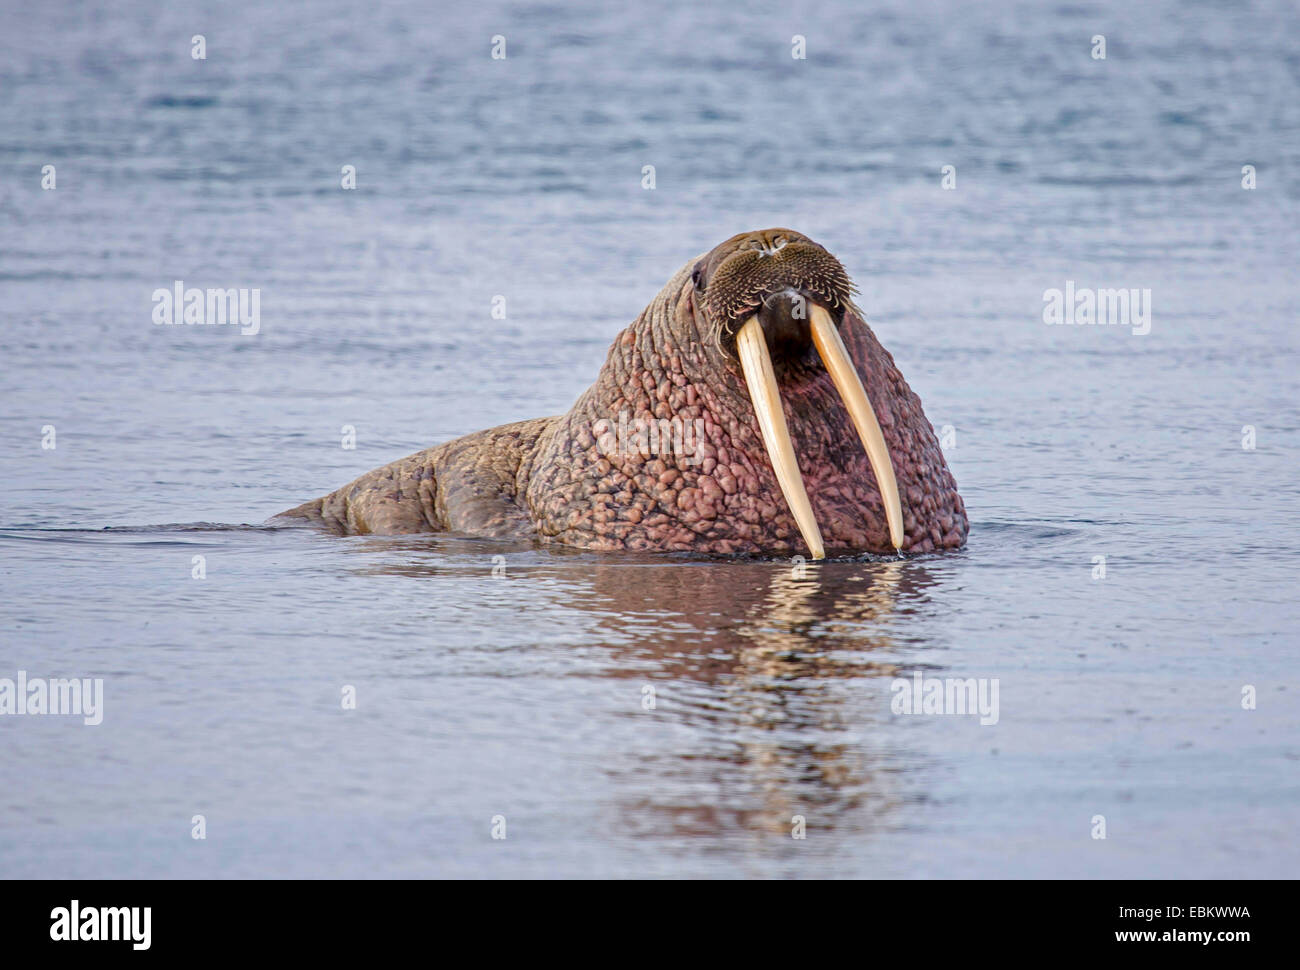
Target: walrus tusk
751,343
845,376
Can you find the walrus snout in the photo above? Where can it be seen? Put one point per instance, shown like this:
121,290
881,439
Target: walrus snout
737,278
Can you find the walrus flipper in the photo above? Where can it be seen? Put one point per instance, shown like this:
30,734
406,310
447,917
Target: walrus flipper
398,498
470,485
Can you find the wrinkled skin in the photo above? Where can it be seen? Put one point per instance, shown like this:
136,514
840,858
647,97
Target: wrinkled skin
569,479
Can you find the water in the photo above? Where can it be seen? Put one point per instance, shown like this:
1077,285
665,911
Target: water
521,695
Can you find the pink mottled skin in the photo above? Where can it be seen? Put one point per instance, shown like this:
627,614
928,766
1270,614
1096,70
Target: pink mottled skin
566,479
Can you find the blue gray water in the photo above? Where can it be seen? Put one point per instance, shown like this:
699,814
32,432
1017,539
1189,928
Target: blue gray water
521,694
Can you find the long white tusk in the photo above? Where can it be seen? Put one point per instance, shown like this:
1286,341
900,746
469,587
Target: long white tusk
840,366
751,344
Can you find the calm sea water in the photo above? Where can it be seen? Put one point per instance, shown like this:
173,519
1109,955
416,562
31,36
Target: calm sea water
522,694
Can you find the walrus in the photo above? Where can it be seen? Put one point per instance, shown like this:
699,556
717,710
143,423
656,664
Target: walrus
777,424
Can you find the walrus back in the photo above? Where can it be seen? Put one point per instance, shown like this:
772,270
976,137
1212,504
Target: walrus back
470,485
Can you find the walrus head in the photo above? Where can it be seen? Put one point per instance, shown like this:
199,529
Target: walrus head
749,407
750,272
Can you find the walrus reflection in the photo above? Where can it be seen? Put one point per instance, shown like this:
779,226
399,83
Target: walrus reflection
769,679
777,715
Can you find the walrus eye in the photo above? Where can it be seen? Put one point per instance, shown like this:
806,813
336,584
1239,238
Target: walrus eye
778,242
697,277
